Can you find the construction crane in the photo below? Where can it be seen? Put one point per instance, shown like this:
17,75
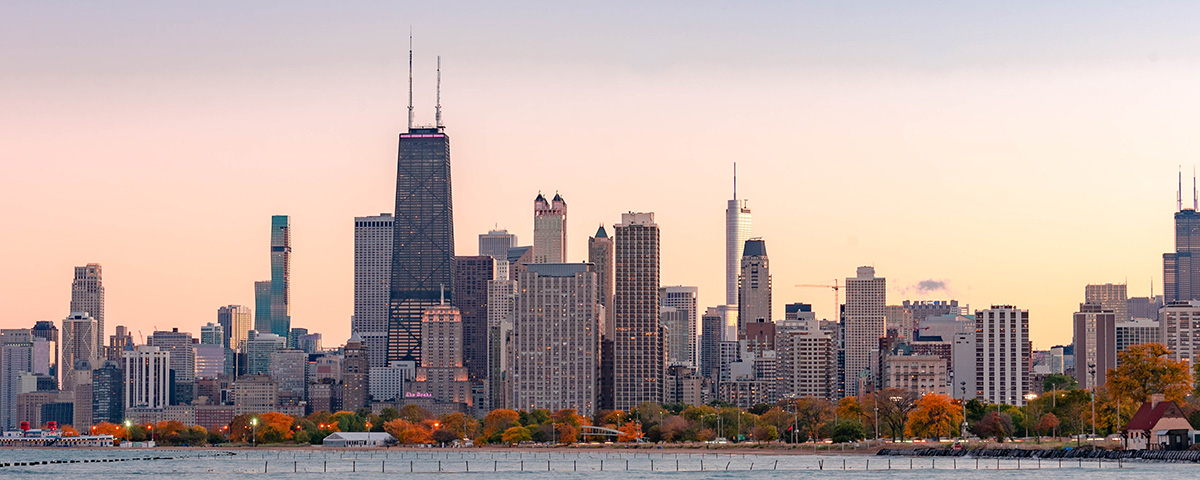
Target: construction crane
837,315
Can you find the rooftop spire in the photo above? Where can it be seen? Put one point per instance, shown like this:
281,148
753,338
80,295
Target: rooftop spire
410,96
438,107
1179,193
735,197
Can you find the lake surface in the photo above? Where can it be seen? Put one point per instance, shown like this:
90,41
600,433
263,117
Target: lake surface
312,463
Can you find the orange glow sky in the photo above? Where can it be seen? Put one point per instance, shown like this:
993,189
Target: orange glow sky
1017,153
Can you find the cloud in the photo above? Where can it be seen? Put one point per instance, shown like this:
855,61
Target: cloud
926,286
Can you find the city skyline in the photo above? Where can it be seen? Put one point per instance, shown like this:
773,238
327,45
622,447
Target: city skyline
936,171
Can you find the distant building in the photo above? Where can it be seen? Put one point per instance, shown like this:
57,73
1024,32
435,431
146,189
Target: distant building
681,342
287,370
258,351
1181,272
108,393
87,297
754,286
255,394
1179,329
281,273
920,374
502,294
1136,332
183,361
355,370
81,397
1111,296
495,243
212,334
79,343
48,333
1003,362
235,322
807,361
16,346
684,385
1144,307
387,383
1095,341
549,230
711,335
737,231
372,274
472,276
600,255
147,377
866,296
441,375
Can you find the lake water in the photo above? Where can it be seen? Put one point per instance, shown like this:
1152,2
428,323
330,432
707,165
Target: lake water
532,465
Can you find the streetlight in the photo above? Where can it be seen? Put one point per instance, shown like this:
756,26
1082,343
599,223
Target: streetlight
963,429
1092,372
254,432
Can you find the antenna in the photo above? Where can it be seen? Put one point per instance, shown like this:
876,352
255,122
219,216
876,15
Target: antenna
1178,194
438,115
1195,201
410,102
735,197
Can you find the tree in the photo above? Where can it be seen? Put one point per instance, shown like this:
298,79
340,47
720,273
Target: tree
935,416
516,435
567,433
630,432
848,431
274,427
443,436
673,427
994,424
388,414
408,433
894,406
463,426
414,413
69,431
499,420
849,409
1048,425
106,428
1058,381
1145,370
764,433
810,414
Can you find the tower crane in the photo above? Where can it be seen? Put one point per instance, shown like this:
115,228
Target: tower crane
835,287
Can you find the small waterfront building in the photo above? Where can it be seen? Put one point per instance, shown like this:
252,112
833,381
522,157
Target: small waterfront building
358,439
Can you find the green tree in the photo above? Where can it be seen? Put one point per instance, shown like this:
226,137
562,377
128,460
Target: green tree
848,431
1058,381
516,435
349,422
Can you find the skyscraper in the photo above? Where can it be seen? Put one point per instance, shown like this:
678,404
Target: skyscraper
281,275
423,239
372,273
737,231
1095,342
549,230
754,286
711,335
441,373
147,377
235,325
502,294
866,296
87,295
495,243
212,334
79,344
638,361
556,338
471,278
1179,330
1002,362
262,306
355,374
46,330
1111,296
1181,268
600,255
182,361
108,393
681,335
16,345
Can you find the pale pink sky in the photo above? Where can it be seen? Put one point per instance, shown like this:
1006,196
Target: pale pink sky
1017,155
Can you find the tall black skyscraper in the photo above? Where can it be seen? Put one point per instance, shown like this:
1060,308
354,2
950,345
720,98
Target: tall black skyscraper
423,243
1181,268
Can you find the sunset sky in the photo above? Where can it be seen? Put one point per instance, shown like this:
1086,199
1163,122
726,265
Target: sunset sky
1016,151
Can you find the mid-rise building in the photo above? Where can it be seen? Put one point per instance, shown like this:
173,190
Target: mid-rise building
556,334
45,330
920,374
118,343
638,361
288,372
210,360
212,334
372,274
255,394
1144,307
108,393
356,366
712,326
1095,342
681,326
1136,332
147,377
754,286
807,362
258,351
441,374
81,396
387,383
87,296
549,230
502,294
1179,329
79,344
863,324
183,361
1003,355
495,243
684,385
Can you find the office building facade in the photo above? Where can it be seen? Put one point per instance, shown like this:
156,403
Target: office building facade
863,324
87,295
638,360
372,274
549,230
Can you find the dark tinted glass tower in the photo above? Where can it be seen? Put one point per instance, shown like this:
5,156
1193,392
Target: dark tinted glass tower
281,273
423,242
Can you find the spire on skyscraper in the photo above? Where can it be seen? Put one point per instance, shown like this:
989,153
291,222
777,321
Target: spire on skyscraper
438,108
410,96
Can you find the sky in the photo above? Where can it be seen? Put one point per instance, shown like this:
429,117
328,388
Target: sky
1013,151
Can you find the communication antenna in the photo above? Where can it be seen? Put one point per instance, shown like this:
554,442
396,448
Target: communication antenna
438,107
1178,194
410,96
735,197
1195,201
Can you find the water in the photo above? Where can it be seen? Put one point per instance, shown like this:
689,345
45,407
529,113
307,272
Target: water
312,463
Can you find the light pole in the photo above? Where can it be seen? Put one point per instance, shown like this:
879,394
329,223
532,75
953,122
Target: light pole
254,432
875,400
1092,372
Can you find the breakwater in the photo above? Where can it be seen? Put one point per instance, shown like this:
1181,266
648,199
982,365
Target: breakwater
1046,454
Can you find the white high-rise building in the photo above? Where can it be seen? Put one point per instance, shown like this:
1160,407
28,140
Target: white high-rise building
556,338
1004,353
737,231
87,295
502,292
386,384
79,343
372,277
1179,330
638,359
863,324
549,230
147,377
681,336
